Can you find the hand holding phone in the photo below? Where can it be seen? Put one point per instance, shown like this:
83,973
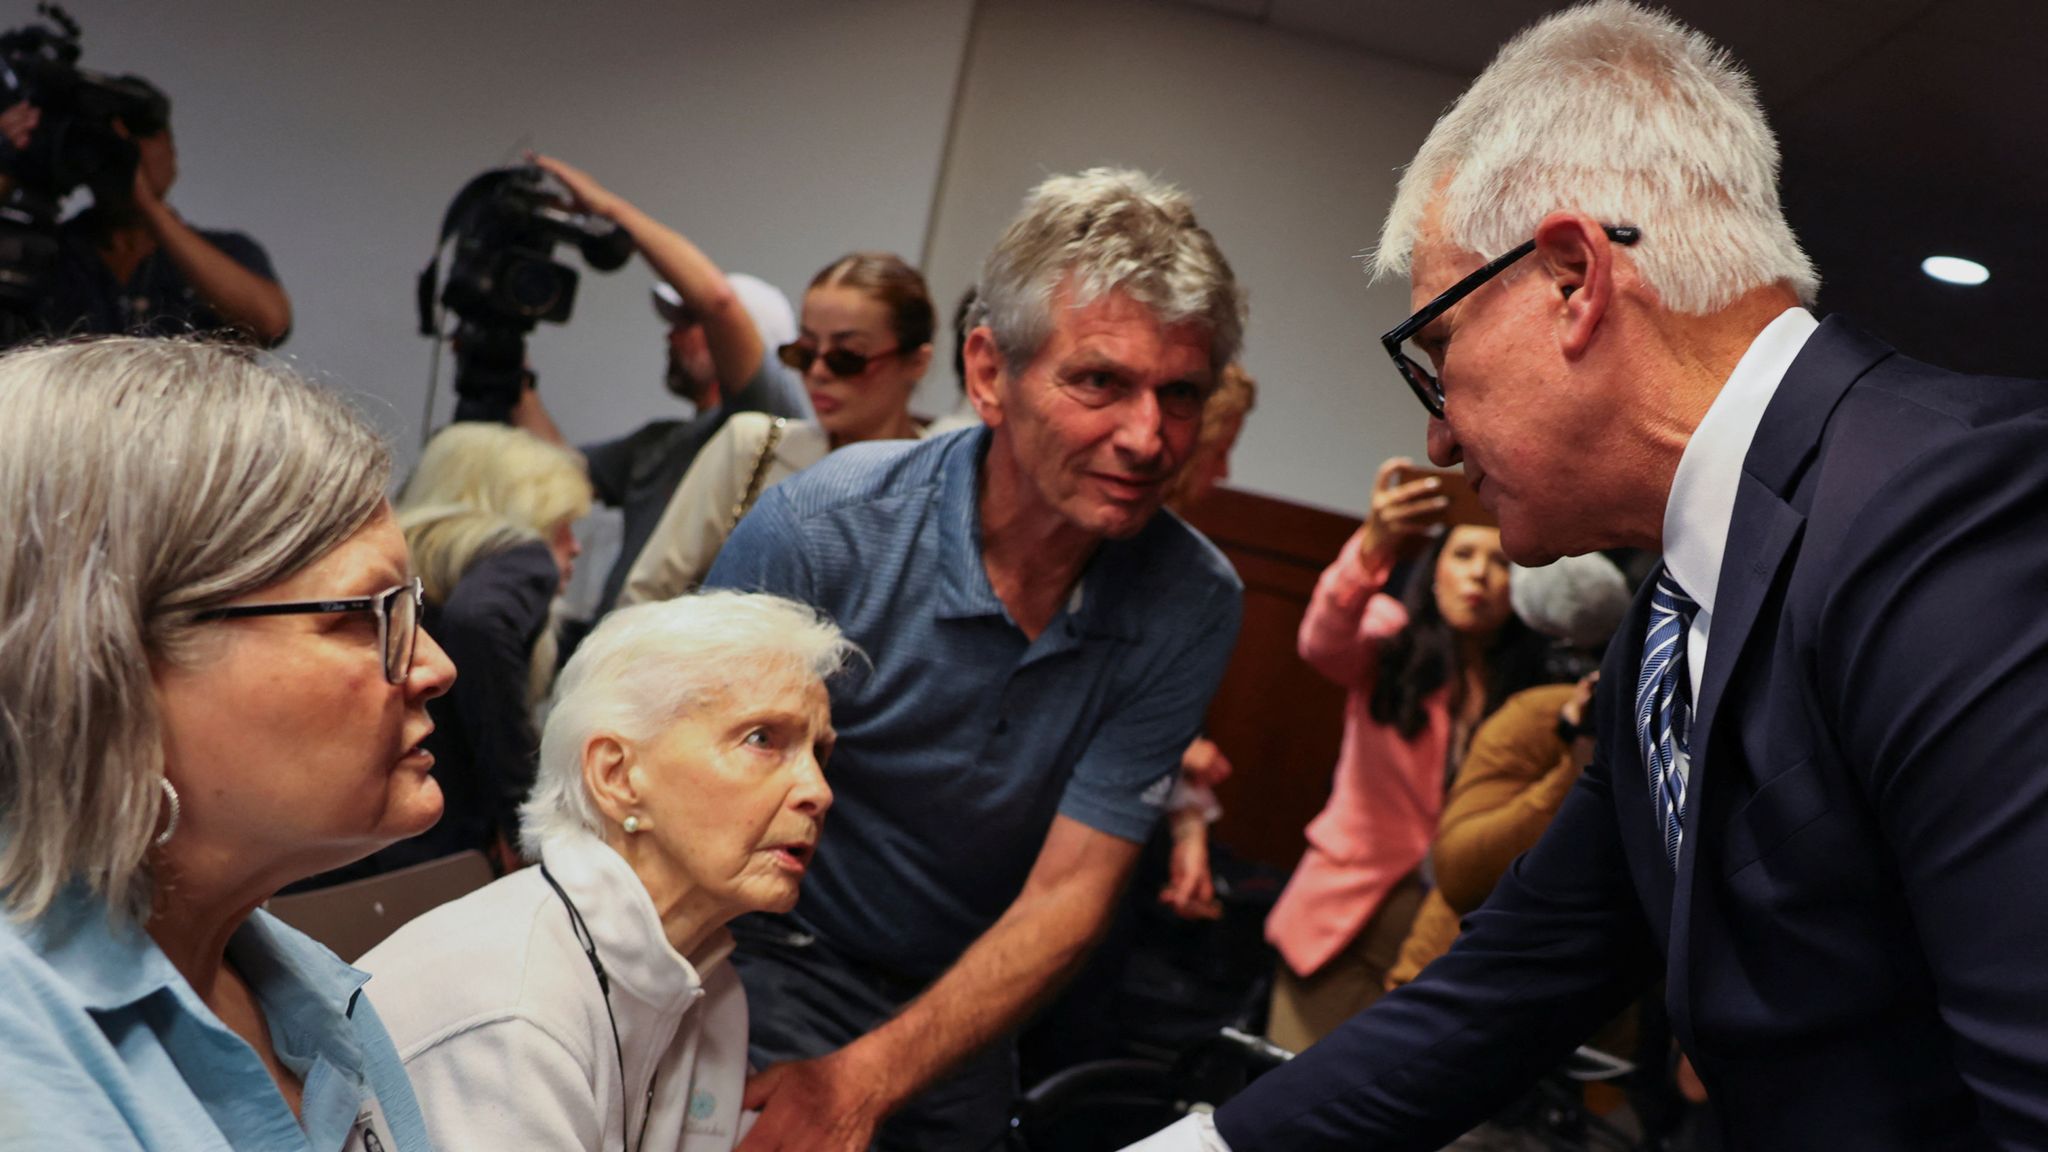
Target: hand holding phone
1462,504
1404,512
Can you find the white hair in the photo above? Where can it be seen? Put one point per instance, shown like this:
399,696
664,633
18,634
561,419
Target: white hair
1630,117
141,483
1579,599
1104,229
649,665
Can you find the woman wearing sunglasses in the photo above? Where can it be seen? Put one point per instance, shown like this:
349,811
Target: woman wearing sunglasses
864,342
213,685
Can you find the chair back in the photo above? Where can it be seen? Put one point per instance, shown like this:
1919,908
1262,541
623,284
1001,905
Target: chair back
355,917
1099,1106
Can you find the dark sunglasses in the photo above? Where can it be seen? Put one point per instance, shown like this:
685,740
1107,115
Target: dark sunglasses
1422,381
397,610
841,362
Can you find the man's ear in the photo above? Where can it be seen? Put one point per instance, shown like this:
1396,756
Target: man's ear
608,776
983,363
1578,258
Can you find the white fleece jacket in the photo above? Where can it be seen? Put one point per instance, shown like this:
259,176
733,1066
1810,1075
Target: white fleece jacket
497,1015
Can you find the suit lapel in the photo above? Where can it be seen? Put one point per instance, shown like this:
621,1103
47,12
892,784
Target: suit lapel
1762,538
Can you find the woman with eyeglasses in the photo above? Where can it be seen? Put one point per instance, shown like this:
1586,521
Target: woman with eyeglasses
864,341
488,515
212,685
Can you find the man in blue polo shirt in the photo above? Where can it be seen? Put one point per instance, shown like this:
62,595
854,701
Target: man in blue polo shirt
1044,644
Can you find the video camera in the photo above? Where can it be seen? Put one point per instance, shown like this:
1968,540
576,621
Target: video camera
75,144
504,279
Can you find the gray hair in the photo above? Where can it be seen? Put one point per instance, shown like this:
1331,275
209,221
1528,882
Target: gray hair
1580,600
1630,117
141,482
649,665
1106,229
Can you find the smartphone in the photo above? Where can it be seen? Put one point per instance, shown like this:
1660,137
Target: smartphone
1465,507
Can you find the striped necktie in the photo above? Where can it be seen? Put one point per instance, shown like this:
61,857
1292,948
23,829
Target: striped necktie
1664,708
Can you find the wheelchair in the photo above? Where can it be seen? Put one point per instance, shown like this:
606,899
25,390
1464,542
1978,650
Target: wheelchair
1104,1105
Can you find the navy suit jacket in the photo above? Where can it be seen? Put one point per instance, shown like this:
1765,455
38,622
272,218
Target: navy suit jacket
1855,940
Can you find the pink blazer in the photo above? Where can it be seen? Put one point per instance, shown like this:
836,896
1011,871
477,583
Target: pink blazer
1388,792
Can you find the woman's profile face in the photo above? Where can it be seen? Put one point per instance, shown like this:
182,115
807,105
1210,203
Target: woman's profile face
291,751
1472,581
565,548
870,403
735,791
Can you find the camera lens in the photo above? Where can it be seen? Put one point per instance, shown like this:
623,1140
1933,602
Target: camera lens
533,288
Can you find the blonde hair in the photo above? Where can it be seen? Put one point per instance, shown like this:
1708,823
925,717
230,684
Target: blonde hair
481,488
141,482
1630,117
646,666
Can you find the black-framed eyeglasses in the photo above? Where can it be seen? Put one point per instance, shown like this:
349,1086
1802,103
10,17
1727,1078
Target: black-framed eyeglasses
397,609
1422,381
844,363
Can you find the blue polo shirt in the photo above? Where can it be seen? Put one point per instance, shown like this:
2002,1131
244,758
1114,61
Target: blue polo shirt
964,739
104,1045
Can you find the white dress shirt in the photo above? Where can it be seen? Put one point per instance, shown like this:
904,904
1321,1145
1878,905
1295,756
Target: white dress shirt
1696,522
1702,503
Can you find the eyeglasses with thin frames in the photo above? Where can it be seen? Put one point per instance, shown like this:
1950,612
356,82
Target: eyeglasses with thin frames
396,608
1422,381
844,363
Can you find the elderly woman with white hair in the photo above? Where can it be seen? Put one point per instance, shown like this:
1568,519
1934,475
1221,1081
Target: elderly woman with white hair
213,685
590,1002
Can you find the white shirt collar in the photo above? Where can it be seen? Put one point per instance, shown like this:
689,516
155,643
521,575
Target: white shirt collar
1702,504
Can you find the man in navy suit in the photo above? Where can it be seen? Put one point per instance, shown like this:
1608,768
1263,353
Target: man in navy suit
1819,811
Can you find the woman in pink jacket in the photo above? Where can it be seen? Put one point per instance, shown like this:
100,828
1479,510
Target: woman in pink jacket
1422,672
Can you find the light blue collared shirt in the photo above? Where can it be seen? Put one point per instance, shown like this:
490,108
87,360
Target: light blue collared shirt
104,1045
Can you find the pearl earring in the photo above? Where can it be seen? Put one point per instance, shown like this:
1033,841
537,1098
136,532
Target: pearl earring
633,824
170,803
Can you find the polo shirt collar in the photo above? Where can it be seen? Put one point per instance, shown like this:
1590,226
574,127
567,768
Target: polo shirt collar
964,591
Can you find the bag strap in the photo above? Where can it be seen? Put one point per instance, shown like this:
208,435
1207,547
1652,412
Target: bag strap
753,492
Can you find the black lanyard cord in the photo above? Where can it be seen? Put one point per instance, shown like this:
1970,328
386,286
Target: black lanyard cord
588,943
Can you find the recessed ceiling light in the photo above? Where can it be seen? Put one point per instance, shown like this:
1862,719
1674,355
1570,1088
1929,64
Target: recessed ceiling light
1955,270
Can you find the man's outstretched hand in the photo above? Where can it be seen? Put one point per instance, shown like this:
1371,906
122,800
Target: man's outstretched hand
829,1104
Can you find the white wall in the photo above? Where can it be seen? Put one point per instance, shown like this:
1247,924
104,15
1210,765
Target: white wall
776,133
779,133
1291,149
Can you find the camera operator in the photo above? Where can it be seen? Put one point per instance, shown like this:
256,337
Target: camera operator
718,342
130,263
